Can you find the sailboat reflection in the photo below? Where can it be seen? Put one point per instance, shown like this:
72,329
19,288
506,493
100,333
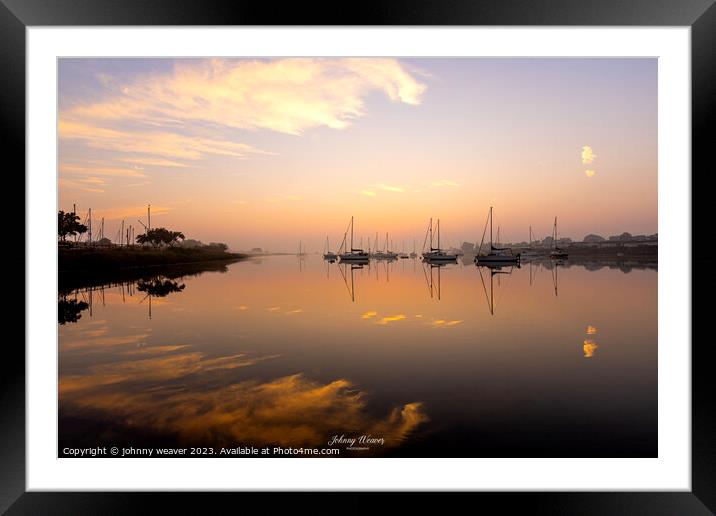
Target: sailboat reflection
495,270
433,280
344,268
534,268
555,274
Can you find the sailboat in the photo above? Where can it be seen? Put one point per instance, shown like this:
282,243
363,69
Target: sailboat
496,255
413,254
387,254
557,252
531,251
403,255
435,254
329,255
354,255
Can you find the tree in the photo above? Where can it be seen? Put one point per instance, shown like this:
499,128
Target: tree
160,236
218,246
68,224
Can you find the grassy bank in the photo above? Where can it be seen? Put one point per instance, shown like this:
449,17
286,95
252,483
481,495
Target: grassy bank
98,259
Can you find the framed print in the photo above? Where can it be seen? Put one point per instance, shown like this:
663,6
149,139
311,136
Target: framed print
416,250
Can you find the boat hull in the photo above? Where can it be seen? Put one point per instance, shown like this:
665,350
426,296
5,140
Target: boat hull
490,259
429,257
354,257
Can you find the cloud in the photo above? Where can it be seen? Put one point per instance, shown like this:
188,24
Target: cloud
368,193
589,173
194,111
153,143
588,155
390,188
155,162
89,184
284,95
94,171
368,314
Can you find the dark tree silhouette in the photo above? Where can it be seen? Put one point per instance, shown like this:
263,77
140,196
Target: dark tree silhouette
68,224
160,236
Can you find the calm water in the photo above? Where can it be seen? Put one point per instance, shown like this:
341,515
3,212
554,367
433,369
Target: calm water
451,361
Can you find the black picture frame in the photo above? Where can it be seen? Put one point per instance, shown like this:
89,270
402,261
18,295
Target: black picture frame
699,15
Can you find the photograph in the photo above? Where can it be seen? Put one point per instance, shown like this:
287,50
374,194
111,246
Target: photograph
357,257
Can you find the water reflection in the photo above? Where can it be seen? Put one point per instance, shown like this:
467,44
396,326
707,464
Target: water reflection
169,395
494,271
70,310
262,353
589,346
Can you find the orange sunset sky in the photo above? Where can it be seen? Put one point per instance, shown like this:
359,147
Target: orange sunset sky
270,152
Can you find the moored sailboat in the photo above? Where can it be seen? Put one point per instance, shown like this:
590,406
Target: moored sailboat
435,254
328,254
531,251
557,252
354,255
496,255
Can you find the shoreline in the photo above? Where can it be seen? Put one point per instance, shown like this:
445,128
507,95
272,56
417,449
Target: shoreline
91,260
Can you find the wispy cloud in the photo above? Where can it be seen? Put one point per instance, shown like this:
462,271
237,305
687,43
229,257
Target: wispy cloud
154,143
589,173
194,110
368,193
284,95
93,171
368,314
389,188
588,155
155,162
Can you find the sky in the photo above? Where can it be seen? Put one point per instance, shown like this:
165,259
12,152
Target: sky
272,152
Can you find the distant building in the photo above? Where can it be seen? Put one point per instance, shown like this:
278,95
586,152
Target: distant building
624,237
593,238
257,250
467,247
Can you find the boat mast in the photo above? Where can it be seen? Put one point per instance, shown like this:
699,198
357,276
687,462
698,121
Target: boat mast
431,233
438,234
490,228
554,234
351,234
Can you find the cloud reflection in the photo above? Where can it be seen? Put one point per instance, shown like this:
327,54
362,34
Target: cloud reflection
177,394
